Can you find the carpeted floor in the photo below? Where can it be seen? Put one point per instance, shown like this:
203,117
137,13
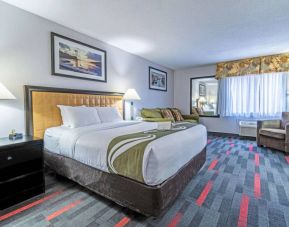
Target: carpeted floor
239,185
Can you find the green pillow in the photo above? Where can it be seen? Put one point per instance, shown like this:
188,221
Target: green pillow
150,113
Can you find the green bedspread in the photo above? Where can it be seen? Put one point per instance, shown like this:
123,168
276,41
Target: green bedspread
126,152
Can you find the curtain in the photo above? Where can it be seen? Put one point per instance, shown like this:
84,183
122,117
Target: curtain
251,66
253,96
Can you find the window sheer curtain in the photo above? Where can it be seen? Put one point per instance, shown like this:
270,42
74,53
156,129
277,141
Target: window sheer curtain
253,96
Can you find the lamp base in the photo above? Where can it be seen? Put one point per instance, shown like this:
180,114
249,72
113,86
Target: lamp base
131,111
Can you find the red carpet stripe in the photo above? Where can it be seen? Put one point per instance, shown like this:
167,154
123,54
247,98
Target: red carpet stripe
257,159
213,164
204,193
209,141
30,205
232,145
63,210
251,147
243,215
257,185
175,221
122,222
287,158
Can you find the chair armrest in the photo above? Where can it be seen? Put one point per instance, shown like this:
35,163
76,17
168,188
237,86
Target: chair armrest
157,119
191,117
266,124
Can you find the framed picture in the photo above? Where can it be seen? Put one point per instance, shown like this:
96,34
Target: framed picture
71,58
157,79
202,90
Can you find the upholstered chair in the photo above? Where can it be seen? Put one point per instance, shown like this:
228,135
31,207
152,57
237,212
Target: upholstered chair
274,133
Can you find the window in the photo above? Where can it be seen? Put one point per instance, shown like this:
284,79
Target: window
253,96
204,96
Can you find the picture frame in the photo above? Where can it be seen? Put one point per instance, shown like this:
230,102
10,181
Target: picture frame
202,90
73,59
157,79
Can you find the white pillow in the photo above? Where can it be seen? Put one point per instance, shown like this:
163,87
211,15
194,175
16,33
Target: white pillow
78,116
108,114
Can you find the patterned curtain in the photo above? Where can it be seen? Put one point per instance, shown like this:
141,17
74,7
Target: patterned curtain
251,66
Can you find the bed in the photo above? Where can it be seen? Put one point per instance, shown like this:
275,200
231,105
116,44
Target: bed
90,155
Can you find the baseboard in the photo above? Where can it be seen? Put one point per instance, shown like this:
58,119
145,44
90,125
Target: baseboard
224,134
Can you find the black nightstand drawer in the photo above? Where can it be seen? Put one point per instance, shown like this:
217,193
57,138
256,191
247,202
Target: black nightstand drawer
20,169
21,183
19,154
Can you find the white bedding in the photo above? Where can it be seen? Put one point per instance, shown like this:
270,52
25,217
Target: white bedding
162,158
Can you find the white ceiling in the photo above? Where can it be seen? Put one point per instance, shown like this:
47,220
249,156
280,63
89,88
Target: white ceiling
176,33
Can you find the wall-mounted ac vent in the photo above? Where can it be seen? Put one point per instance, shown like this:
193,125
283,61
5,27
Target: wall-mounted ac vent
248,128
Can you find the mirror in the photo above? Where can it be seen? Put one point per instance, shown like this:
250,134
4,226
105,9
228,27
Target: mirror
204,96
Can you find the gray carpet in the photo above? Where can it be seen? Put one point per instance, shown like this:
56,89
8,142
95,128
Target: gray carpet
239,185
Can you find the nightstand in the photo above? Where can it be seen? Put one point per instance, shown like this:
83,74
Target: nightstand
21,170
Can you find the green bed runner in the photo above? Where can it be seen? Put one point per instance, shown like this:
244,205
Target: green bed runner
125,153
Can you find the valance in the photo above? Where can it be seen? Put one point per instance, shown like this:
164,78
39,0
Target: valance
259,65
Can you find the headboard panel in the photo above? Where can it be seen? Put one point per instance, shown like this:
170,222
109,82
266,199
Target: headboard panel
42,111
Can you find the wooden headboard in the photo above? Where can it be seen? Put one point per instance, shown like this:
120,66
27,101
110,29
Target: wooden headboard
42,111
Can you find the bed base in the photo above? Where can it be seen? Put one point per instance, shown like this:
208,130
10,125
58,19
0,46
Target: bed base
144,199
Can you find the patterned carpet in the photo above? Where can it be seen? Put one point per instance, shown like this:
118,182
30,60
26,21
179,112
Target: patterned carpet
239,185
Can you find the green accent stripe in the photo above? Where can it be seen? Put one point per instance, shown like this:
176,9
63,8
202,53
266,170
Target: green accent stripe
129,163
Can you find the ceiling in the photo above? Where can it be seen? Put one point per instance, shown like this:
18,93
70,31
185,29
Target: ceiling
176,33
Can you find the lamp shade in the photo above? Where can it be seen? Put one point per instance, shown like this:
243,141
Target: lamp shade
5,93
202,99
131,95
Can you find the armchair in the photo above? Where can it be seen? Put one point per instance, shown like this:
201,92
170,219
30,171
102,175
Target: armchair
274,133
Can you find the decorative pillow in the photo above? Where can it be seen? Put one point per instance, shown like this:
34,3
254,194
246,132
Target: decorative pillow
151,113
79,116
177,114
166,113
108,114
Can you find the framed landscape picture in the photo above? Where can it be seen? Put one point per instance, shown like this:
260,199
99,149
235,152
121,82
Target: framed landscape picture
71,58
157,79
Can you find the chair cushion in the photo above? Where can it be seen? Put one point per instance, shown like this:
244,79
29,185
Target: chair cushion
285,119
177,114
272,132
150,113
166,113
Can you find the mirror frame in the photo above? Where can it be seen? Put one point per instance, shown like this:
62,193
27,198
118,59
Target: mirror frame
195,78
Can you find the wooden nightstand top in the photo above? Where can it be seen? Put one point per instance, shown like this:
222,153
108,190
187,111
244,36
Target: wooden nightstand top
26,139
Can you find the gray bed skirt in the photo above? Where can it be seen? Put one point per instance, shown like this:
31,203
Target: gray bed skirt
144,199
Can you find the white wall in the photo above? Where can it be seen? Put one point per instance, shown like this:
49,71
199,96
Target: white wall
182,98
25,60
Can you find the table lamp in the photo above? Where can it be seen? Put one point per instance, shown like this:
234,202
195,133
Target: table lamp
131,95
202,100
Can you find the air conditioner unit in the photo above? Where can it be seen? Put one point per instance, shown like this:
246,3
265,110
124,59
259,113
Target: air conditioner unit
248,128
